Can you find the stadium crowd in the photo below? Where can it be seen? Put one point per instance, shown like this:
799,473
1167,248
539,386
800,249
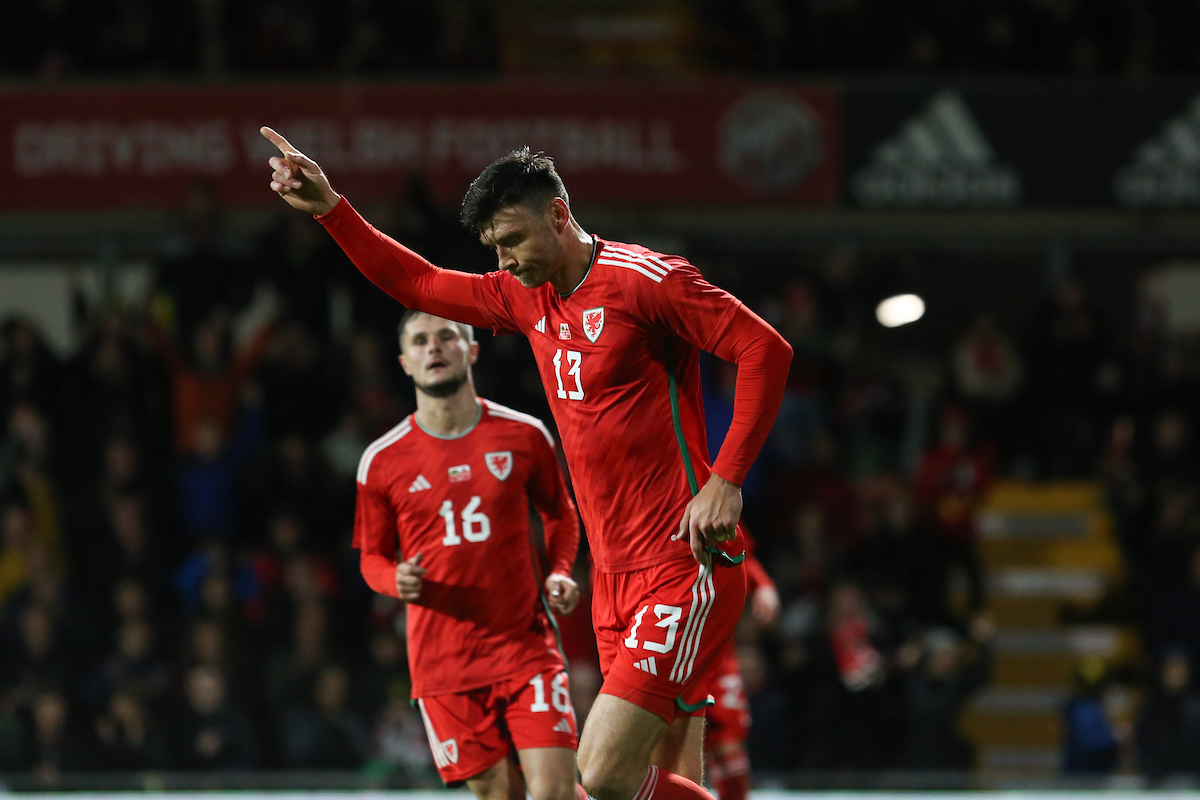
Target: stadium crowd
54,39
178,589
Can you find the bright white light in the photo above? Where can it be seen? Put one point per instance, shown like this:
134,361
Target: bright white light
900,310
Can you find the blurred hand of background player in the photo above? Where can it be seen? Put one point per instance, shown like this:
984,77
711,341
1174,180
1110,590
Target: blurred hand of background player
297,178
562,592
764,605
408,578
712,516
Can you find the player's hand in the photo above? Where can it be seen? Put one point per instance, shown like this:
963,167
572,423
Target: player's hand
297,179
408,578
562,592
764,605
712,516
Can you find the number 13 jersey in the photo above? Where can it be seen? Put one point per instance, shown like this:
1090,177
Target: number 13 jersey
604,353
463,504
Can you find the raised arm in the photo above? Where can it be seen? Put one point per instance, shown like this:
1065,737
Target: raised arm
408,278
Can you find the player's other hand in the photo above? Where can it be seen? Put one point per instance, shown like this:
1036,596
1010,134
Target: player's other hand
562,592
712,516
764,605
408,578
297,179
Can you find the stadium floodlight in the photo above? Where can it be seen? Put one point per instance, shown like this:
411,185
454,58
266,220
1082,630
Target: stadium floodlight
900,310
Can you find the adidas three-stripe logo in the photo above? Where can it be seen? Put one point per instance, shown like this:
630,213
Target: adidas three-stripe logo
420,485
1165,171
652,267
540,327
647,665
939,157
563,726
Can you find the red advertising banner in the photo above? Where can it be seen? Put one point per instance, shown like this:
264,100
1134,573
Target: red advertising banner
689,143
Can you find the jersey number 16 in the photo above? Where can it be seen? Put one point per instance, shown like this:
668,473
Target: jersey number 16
475,525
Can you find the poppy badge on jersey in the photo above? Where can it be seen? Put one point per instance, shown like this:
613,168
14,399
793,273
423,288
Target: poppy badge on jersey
593,323
499,464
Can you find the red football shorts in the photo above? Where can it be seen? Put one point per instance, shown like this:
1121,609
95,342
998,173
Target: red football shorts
470,732
659,631
728,721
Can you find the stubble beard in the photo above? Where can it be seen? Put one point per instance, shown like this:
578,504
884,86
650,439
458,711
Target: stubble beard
444,388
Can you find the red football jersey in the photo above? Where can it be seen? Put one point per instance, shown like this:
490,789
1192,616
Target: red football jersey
604,353
463,503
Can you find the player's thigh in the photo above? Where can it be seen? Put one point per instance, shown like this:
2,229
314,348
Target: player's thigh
615,749
549,772
464,734
681,749
501,781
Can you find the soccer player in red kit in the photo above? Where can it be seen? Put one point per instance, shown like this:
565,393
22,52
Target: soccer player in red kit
616,331
443,524
729,718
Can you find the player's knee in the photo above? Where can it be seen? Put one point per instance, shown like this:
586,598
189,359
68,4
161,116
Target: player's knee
603,780
551,788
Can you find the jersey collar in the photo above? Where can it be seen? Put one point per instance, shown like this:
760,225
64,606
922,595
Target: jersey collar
592,263
471,427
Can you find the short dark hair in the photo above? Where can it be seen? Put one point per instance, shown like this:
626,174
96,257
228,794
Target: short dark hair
467,331
522,176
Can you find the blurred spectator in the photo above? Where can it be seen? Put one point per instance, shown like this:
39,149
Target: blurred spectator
322,732
56,745
208,478
952,480
212,732
846,721
986,365
133,666
127,736
208,385
1168,726
938,683
1090,745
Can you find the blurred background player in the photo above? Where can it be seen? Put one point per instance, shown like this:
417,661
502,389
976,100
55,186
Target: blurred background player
616,330
443,524
728,719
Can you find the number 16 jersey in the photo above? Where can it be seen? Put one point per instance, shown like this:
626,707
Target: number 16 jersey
463,504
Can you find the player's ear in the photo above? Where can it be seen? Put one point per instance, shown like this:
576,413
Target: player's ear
559,214
404,365
473,354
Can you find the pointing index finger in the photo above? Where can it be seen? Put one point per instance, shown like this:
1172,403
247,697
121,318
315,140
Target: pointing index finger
274,138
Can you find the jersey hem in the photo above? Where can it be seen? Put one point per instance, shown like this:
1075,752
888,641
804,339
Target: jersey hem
632,566
550,659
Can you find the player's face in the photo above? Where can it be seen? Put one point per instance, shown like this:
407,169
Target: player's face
527,240
437,355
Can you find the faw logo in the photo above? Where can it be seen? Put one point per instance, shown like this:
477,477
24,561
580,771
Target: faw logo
499,464
593,323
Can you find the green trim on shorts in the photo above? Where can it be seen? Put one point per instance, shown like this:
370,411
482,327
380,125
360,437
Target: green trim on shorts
708,701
